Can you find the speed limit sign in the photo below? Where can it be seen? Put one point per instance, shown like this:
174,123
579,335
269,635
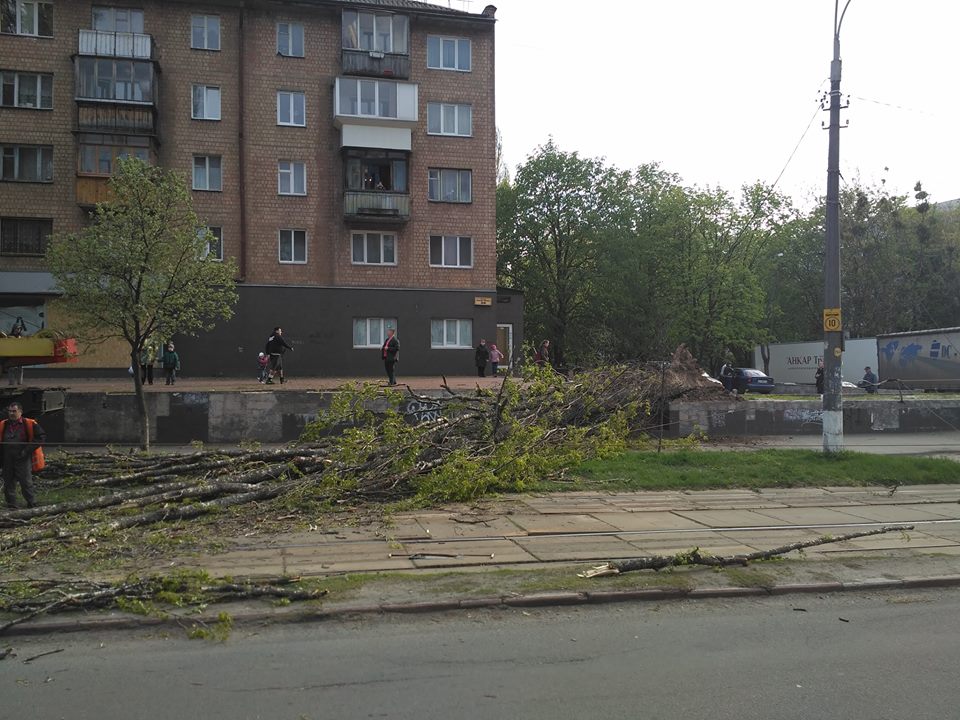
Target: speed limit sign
831,320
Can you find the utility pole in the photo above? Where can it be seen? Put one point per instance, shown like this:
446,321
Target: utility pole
832,319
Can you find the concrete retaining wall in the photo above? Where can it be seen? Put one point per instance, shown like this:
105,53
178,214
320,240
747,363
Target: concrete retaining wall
209,417
273,417
800,417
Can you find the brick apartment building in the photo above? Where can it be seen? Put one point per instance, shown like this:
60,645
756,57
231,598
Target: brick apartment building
343,152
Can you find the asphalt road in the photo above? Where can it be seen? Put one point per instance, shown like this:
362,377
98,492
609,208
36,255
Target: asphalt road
863,657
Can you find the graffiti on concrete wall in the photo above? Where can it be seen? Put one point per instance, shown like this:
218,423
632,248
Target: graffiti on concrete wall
803,415
422,411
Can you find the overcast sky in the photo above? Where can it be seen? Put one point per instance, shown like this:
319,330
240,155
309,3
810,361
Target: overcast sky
720,91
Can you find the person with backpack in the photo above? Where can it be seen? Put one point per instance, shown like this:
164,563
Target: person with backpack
21,440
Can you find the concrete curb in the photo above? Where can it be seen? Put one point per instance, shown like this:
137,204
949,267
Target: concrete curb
547,599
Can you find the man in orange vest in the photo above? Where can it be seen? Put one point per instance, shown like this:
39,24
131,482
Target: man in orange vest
20,439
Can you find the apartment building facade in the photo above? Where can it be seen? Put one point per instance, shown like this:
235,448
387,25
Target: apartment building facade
341,151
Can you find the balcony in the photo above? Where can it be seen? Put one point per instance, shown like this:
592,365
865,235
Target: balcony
367,205
96,116
115,44
375,63
385,103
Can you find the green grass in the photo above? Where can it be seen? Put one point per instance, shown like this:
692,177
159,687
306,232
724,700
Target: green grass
697,469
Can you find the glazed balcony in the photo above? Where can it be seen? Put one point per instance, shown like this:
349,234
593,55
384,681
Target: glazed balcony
102,43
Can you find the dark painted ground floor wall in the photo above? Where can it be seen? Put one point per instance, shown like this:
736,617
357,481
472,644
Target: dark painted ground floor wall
319,324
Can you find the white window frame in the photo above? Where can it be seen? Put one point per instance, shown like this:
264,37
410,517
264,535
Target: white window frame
292,28
291,238
463,116
365,235
380,323
442,39
399,28
286,99
342,85
206,172
456,344
134,18
443,251
217,232
18,28
292,171
435,177
208,21
11,154
22,79
206,111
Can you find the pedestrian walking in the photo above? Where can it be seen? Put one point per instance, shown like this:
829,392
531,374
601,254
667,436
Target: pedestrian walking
171,364
275,348
22,454
818,377
148,356
482,357
263,367
495,357
390,352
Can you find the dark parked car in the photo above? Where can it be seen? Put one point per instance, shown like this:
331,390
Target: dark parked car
748,380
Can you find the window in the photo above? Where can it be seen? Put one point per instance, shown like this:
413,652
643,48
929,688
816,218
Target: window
26,163
26,90
451,251
207,172
376,170
448,53
26,17
214,238
368,98
97,159
293,246
125,80
450,185
110,19
24,236
444,119
373,248
451,333
290,39
291,178
205,32
206,102
377,32
371,332
291,108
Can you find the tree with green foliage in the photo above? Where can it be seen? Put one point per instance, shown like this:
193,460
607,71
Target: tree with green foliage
142,268
557,215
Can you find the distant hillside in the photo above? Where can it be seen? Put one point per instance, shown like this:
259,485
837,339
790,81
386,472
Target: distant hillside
948,204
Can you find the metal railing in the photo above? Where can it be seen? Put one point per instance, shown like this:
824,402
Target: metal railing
115,44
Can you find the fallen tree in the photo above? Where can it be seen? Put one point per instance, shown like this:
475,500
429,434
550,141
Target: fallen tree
485,441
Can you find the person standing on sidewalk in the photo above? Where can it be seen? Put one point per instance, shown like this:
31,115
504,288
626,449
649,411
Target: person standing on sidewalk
482,357
495,357
148,356
171,364
276,347
818,377
390,351
21,439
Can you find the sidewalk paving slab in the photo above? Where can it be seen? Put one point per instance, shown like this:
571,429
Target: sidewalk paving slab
896,513
811,516
448,528
621,520
554,524
730,518
604,547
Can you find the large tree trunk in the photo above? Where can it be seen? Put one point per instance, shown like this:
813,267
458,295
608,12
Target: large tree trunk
142,414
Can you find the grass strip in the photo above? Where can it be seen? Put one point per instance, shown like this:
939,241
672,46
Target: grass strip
691,469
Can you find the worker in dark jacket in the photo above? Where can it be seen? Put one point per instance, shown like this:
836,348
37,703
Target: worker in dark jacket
20,438
276,347
390,351
482,357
